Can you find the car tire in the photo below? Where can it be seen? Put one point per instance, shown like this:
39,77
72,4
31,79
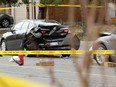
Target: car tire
5,23
65,55
3,45
101,58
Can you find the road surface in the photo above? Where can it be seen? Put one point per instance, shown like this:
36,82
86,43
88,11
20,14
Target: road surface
64,71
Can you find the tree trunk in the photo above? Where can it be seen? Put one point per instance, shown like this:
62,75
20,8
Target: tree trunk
84,14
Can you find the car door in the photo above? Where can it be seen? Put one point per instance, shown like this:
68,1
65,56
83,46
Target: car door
11,41
21,35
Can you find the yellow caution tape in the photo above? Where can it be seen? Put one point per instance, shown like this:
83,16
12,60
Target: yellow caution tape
8,81
40,5
58,52
59,5
67,5
103,52
7,8
91,6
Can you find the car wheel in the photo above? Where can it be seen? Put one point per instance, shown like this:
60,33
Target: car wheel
3,46
101,58
76,42
65,55
5,23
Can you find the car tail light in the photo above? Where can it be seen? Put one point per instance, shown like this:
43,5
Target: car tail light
43,31
65,30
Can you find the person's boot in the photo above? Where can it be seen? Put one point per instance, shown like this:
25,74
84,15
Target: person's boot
20,61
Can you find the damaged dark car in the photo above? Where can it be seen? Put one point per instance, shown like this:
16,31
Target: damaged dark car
39,35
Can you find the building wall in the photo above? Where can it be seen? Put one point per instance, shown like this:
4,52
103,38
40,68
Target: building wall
19,13
61,13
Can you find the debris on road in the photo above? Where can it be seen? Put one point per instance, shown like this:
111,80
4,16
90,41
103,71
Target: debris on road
109,64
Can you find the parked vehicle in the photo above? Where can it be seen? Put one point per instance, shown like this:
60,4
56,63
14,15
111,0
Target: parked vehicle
5,20
106,41
38,35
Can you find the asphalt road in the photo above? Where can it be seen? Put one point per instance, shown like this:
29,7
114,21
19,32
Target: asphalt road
64,71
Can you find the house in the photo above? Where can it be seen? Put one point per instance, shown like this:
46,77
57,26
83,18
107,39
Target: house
24,11
21,11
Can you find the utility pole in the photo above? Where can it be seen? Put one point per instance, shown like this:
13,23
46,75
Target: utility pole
33,9
30,10
36,9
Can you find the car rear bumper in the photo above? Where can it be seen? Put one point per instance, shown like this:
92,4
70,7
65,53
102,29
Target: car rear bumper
60,48
57,44
56,47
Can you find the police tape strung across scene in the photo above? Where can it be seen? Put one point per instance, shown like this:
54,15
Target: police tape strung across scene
49,52
50,5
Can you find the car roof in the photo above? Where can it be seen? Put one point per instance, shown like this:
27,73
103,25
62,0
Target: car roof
43,22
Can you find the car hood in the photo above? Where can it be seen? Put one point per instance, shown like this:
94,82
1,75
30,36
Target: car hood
101,34
105,38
